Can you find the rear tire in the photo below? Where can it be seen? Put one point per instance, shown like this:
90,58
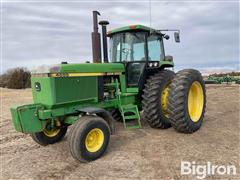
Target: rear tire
89,138
187,101
155,99
49,137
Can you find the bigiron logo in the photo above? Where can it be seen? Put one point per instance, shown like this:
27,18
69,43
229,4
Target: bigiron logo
202,170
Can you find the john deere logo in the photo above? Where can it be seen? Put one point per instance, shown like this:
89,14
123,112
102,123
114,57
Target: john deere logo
37,86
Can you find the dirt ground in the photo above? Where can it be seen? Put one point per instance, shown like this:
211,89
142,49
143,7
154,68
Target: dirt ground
132,154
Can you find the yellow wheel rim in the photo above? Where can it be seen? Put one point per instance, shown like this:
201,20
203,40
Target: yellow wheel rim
164,100
52,132
195,101
94,140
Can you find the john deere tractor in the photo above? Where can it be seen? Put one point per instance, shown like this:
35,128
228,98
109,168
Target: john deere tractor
90,97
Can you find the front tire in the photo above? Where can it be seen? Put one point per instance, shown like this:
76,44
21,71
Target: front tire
89,138
155,99
49,136
187,101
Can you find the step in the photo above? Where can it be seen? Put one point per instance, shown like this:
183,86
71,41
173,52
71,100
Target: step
133,126
133,109
131,117
129,106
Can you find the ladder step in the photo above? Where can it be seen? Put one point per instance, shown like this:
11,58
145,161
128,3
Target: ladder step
133,126
131,117
134,115
129,106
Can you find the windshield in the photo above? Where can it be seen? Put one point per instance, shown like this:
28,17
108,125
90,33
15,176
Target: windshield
155,48
127,47
131,46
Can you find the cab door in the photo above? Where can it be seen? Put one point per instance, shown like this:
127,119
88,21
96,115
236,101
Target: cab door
129,48
136,63
134,72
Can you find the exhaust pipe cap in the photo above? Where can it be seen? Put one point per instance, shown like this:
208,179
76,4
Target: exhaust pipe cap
103,23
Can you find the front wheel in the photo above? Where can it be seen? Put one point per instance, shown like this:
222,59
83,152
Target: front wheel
89,138
187,101
49,135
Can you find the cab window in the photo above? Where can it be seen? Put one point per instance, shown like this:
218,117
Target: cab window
128,47
154,48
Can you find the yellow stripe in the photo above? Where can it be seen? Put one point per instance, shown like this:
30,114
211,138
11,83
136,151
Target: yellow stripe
81,74
85,74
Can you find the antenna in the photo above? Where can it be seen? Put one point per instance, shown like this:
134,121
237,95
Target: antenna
150,14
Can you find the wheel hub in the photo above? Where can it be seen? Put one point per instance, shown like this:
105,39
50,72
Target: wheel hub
52,132
164,100
195,101
94,140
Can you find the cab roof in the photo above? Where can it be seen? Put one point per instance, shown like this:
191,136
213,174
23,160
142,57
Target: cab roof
130,28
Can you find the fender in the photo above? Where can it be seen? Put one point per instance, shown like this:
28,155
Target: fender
101,113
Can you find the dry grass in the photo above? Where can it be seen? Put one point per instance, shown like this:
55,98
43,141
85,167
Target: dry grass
132,154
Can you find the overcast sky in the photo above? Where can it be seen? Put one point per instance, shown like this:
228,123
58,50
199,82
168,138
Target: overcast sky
44,33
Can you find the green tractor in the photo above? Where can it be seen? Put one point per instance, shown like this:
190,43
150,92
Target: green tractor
90,97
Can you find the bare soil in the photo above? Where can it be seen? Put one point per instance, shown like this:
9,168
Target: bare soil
132,154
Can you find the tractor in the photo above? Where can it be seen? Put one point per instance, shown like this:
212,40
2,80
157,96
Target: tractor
134,77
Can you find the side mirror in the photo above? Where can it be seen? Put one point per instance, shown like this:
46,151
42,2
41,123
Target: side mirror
168,58
177,37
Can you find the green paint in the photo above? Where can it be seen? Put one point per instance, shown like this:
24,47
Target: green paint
71,119
61,90
167,63
130,28
130,112
83,68
25,118
92,68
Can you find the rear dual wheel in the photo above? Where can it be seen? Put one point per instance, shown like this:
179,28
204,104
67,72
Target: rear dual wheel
175,100
155,99
187,101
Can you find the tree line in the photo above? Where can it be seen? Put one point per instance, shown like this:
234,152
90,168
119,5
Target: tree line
17,78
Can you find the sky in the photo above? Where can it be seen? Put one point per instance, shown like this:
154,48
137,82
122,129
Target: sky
35,33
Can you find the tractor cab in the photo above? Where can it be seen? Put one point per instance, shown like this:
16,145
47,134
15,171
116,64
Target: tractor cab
140,48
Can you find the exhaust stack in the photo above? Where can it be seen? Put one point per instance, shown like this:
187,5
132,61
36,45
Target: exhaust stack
96,41
104,40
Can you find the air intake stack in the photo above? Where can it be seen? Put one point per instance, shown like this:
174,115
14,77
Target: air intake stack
104,40
96,39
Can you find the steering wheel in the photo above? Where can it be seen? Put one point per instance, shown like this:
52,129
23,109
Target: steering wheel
126,51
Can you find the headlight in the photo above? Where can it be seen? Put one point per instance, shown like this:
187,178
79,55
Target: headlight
155,64
150,64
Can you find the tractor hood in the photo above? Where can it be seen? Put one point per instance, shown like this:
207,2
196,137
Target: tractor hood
93,67
81,68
